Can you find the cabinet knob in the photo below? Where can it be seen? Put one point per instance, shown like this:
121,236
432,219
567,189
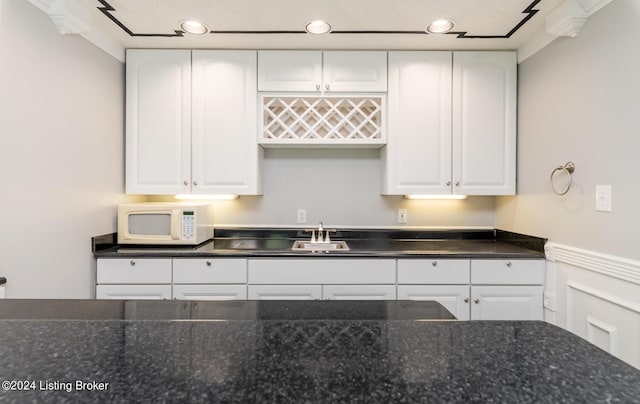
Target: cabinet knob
434,263
326,87
185,182
476,301
132,263
317,86
457,183
195,183
466,300
208,263
448,183
509,264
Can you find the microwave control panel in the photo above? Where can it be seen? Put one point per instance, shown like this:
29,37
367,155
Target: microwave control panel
188,225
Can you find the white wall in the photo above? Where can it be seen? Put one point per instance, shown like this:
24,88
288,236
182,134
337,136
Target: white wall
579,100
61,154
341,187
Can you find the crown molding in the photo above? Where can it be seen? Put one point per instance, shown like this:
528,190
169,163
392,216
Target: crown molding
73,17
567,19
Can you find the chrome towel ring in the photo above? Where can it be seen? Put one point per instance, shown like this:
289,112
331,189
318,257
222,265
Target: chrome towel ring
567,169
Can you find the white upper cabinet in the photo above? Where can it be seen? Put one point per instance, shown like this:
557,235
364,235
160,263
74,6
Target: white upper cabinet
225,154
418,151
452,123
158,109
345,71
289,70
191,125
317,71
484,123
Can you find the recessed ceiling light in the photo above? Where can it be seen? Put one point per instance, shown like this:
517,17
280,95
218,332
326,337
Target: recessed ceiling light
317,27
440,26
194,27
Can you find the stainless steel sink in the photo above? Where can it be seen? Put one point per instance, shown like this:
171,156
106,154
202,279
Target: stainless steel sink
300,245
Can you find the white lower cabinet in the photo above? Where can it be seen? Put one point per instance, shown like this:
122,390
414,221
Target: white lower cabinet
210,292
133,278
506,302
454,298
476,289
324,278
359,292
210,278
285,292
133,292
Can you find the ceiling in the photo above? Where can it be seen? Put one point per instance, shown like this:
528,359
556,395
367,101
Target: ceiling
362,24
523,25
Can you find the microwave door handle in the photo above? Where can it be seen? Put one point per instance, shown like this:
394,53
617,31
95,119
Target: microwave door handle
176,224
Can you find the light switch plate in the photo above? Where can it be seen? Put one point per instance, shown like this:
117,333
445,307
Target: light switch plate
603,198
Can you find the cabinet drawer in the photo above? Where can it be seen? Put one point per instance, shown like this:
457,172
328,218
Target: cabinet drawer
285,292
210,292
196,270
359,292
133,292
322,271
425,271
507,272
133,270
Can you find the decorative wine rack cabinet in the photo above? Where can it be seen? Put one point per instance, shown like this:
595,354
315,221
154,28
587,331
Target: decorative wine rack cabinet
323,120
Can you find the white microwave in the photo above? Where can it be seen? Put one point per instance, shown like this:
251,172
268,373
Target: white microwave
165,223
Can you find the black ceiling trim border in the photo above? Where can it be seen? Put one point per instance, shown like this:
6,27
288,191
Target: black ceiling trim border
529,12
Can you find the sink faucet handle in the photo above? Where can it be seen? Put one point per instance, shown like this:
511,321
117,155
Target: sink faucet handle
327,239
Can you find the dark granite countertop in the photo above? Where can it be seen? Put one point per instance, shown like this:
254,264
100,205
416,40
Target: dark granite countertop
294,352
248,242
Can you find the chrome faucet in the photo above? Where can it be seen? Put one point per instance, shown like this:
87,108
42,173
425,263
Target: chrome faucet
323,234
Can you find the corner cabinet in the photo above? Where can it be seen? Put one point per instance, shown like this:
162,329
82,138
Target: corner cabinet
191,122
452,123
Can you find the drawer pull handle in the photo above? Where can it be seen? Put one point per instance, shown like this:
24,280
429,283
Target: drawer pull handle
509,264
466,300
132,263
208,263
317,86
434,263
476,301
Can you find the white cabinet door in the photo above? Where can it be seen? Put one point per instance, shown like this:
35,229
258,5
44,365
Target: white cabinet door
209,270
506,302
133,292
133,271
290,71
354,71
226,154
359,292
418,152
285,292
158,124
454,298
210,292
484,122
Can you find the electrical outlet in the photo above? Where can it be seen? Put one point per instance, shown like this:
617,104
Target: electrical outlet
302,216
402,216
603,198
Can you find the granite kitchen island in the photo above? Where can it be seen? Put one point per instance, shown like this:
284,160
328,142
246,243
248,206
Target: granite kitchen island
322,351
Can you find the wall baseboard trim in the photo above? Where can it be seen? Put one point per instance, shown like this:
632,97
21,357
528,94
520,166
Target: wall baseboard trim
617,267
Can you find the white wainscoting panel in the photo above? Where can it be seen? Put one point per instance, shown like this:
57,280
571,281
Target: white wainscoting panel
595,296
